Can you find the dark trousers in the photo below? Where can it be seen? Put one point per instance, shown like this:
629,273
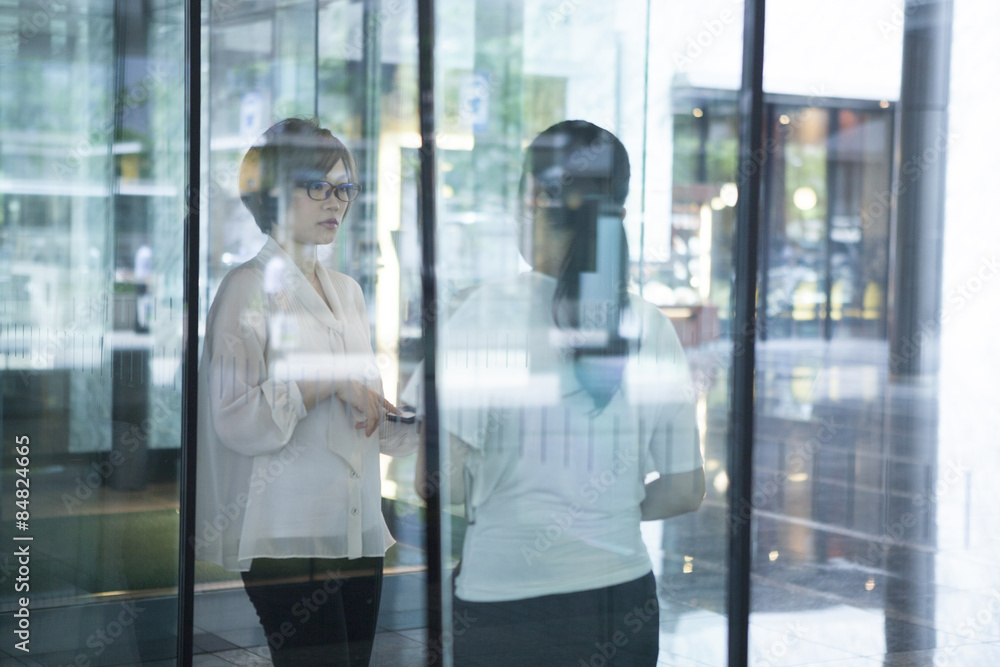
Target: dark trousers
317,611
618,625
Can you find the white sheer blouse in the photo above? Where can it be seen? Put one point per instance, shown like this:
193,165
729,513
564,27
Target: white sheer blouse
275,480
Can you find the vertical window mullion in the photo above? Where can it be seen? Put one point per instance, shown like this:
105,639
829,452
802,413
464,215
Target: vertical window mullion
189,390
741,414
428,200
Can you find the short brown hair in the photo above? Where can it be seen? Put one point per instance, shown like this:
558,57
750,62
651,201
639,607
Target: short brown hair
290,151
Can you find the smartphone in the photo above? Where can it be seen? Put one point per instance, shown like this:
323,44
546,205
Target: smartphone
408,416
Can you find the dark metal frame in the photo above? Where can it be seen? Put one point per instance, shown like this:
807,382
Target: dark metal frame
741,414
428,203
189,390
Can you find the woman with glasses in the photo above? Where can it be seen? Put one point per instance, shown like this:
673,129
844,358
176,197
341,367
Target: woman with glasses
293,418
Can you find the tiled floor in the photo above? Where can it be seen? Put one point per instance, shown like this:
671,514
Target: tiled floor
392,649
874,538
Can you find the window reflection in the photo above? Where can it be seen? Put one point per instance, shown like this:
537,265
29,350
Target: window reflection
827,169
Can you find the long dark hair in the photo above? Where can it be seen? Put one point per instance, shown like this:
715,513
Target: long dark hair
583,173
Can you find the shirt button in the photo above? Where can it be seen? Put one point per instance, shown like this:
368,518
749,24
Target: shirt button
354,511
354,474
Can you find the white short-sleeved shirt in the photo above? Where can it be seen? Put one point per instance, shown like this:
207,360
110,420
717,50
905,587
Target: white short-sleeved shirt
554,486
274,480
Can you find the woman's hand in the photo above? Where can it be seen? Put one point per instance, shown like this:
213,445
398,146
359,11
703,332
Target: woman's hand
367,405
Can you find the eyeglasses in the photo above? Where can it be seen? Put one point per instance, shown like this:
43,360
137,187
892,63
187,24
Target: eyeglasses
321,190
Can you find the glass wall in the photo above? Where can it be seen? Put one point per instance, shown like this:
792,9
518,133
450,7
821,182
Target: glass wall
585,319
350,68
91,167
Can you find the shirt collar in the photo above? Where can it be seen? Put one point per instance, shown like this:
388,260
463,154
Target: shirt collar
282,274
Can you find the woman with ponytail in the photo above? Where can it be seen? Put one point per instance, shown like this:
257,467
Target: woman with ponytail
564,396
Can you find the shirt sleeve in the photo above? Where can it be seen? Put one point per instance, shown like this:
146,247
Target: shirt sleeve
398,439
674,445
395,438
252,412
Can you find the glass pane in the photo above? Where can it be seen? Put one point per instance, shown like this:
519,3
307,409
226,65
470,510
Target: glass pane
91,208
874,448
827,234
584,328
308,538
